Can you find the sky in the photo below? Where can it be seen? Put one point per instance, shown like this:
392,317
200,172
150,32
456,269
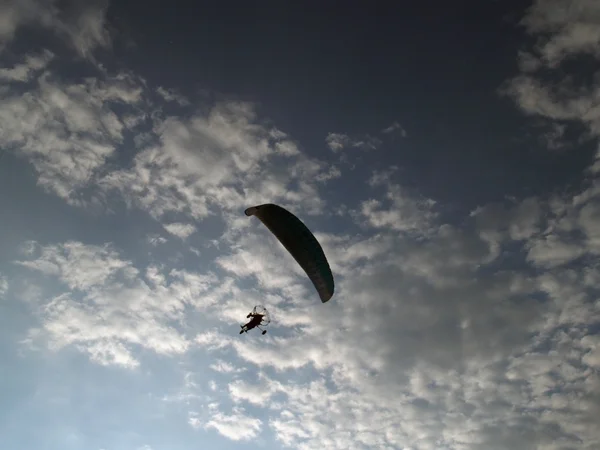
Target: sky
445,155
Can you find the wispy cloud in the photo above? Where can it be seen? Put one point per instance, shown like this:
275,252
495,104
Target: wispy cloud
563,32
339,141
236,426
81,24
116,307
469,335
66,131
181,230
24,71
452,335
171,95
80,266
3,285
156,239
225,367
395,127
224,160
406,212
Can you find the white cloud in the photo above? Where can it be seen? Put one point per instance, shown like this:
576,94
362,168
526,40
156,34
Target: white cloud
225,367
24,71
445,385
116,309
223,160
80,266
562,101
81,24
156,239
406,212
592,356
339,141
66,131
552,250
236,426
171,95
187,394
181,230
261,257
17,13
287,148
426,343
553,234
334,172
564,29
393,128
499,224
3,286
256,394
194,422
430,342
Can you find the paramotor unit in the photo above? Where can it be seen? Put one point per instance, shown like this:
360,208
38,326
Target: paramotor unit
259,318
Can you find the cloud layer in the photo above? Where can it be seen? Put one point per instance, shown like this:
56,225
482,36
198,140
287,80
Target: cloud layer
479,332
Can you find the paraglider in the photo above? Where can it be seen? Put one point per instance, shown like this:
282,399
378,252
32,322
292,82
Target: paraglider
300,243
259,317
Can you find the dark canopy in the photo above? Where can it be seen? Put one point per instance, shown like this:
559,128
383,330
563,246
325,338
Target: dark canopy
300,242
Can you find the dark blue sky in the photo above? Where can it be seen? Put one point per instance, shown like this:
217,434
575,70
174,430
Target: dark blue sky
435,67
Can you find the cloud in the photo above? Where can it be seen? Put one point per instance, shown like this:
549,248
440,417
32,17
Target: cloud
563,101
255,257
194,421
223,161
499,223
17,13
430,340
236,426
181,230
116,309
171,95
80,266
156,239
225,367
563,32
393,128
67,131
3,286
405,212
81,24
468,335
433,341
334,172
24,71
241,391
553,250
553,234
339,141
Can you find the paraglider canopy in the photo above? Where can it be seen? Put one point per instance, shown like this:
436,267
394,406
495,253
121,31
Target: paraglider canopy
300,243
